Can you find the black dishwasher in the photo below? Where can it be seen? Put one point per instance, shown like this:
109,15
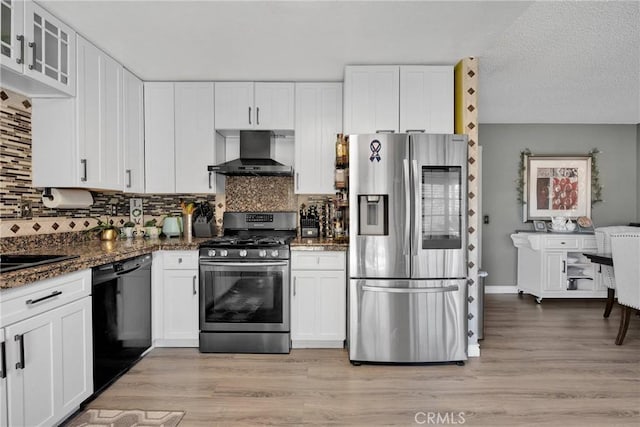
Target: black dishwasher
121,307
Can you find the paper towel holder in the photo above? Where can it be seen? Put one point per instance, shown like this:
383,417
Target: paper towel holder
47,193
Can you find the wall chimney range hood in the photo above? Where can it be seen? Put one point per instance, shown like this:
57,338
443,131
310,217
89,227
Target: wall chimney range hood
255,157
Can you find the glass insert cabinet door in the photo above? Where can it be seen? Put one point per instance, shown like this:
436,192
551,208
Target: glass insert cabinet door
12,40
35,43
441,207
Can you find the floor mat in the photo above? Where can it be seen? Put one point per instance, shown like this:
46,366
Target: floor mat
125,418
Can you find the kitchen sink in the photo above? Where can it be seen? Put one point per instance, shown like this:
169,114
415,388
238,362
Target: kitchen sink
20,261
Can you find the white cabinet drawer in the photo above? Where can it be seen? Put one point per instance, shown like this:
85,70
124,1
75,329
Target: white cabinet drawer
26,301
589,244
562,243
180,260
321,260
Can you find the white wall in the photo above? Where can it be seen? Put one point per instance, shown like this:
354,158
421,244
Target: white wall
638,172
502,144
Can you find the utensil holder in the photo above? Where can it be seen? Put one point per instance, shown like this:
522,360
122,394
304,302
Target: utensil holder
187,226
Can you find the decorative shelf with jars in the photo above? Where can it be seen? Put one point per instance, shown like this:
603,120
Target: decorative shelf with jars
341,201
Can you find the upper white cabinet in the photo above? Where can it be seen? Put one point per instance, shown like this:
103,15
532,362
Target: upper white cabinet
77,142
159,165
37,45
99,118
180,138
194,138
249,105
318,120
133,132
426,99
371,99
398,99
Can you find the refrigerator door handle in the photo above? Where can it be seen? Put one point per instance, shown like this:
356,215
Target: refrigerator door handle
417,210
451,288
407,208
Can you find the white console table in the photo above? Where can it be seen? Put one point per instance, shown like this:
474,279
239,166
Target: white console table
552,265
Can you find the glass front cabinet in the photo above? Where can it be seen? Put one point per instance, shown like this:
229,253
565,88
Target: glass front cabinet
34,43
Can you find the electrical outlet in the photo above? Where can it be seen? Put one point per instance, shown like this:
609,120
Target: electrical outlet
113,210
25,210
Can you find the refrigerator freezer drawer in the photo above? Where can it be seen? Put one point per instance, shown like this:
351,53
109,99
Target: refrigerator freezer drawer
408,321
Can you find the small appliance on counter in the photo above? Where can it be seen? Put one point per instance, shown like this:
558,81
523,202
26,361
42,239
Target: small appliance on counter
171,226
204,222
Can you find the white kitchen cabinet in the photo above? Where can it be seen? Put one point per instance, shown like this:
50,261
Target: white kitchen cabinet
133,132
3,380
249,105
180,138
159,131
77,142
176,302
426,99
49,353
393,98
195,144
318,299
371,99
318,120
553,265
38,46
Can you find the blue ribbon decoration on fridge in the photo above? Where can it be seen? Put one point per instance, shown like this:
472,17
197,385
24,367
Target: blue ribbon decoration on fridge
375,147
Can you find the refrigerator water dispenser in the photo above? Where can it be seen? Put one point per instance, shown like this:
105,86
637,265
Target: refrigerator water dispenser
374,214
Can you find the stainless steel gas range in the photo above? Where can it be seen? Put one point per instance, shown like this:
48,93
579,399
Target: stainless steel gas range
245,284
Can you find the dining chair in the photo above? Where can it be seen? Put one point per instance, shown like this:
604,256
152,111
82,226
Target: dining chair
603,243
625,250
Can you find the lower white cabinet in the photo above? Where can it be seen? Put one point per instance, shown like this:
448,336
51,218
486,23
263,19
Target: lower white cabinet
553,266
3,380
175,282
49,356
318,299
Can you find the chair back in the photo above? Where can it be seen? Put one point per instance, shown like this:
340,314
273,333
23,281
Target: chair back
625,249
603,242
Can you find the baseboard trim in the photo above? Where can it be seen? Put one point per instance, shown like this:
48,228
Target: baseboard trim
495,289
473,350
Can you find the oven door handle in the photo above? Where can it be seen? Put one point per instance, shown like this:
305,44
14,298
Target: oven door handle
244,264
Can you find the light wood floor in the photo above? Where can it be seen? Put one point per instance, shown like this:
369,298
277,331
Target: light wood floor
554,364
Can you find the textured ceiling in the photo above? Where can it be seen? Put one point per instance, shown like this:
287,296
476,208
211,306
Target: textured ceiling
540,62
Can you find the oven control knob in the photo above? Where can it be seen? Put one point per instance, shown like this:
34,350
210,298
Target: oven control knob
243,252
274,253
224,252
262,253
212,252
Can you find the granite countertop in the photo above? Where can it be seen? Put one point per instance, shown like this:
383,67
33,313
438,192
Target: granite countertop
317,244
91,253
551,233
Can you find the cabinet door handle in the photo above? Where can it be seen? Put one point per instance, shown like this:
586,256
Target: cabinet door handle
599,268
32,45
83,162
385,131
20,364
209,180
257,115
295,281
415,131
249,115
297,180
194,284
128,178
564,266
51,295
20,60
3,360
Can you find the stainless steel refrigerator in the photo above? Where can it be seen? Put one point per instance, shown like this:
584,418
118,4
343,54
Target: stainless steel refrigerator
407,248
